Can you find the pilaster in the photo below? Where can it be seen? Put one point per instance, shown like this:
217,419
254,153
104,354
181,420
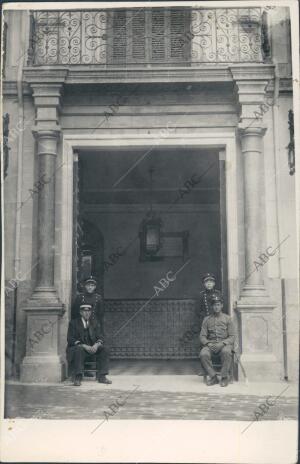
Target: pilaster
44,309
255,307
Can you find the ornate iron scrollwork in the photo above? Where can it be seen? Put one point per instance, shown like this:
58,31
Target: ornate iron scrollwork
221,35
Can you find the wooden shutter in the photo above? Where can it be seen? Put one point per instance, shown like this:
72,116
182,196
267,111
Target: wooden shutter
158,30
151,35
119,36
138,36
177,33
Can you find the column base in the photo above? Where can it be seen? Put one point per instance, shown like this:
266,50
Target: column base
42,362
260,368
44,296
253,292
42,369
257,340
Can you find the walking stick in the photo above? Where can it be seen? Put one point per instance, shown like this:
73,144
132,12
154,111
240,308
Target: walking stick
242,367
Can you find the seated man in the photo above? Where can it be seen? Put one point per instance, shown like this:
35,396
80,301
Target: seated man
85,337
217,337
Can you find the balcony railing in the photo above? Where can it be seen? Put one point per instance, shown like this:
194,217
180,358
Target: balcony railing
149,37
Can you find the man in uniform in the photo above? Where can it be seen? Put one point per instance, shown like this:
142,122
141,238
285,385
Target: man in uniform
217,338
91,297
204,308
85,337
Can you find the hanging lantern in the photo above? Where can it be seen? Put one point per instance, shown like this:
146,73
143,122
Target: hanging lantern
150,232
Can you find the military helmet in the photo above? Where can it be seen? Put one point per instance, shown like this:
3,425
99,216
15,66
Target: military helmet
208,276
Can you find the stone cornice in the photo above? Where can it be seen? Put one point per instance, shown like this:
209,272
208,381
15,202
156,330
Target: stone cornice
285,83
10,89
85,74
45,75
252,72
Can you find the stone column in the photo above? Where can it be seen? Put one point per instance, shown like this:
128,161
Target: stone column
42,362
254,307
251,147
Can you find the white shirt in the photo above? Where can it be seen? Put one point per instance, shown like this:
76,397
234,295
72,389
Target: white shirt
85,323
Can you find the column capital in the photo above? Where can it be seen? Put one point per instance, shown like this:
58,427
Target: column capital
40,132
251,137
246,130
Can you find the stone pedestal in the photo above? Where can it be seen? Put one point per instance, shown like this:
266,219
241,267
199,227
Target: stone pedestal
42,362
257,341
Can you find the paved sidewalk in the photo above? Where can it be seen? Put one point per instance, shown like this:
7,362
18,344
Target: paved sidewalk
150,397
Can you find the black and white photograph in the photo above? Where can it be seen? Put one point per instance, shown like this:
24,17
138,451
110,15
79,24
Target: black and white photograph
150,232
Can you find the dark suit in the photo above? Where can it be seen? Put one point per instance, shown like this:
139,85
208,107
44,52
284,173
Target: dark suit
93,299
76,354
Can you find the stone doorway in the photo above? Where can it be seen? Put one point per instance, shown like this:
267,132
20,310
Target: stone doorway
141,322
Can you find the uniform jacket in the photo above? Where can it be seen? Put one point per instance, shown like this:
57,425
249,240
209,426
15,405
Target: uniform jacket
204,308
95,300
217,328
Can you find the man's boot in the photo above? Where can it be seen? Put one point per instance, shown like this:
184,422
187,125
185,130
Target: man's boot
224,382
213,381
77,381
103,379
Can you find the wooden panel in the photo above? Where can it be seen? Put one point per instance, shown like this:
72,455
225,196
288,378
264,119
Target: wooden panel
150,329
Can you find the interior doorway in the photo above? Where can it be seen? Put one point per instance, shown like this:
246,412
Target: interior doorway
146,313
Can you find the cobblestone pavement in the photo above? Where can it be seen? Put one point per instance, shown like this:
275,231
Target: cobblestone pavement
67,402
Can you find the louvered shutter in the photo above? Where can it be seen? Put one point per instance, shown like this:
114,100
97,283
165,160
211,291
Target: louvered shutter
153,35
177,32
158,35
138,36
119,36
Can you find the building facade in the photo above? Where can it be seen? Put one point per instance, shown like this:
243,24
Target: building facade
181,115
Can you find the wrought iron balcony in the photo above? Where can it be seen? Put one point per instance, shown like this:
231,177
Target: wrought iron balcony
149,37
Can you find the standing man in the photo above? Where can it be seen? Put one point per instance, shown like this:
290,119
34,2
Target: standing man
86,338
217,338
91,297
204,308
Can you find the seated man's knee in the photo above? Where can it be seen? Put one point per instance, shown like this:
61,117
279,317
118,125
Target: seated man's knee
226,350
103,350
205,353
